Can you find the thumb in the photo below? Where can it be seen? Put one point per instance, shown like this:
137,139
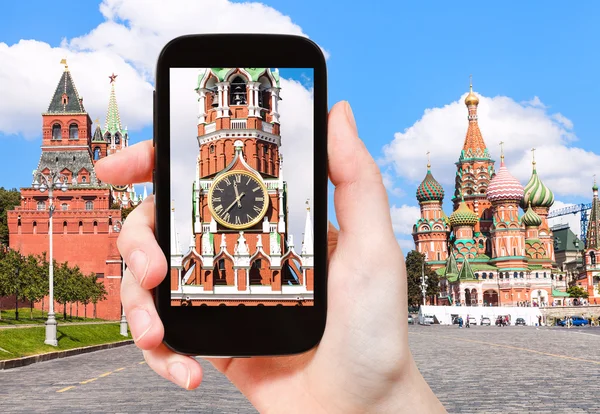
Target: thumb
359,190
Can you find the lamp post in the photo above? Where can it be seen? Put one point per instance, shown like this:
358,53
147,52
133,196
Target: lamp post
17,293
423,282
42,182
117,228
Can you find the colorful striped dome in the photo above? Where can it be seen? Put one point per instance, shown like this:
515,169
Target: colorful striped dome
537,193
530,218
504,186
430,189
463,216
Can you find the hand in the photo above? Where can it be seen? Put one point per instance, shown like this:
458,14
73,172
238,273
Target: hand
237,195
363,363
237,200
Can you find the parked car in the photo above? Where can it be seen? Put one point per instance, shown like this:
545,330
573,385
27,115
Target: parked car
411,321
486,321
577,321
472,320
520,321
427,319
502,321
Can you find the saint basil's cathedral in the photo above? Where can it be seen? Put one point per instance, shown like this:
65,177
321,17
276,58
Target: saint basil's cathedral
485,253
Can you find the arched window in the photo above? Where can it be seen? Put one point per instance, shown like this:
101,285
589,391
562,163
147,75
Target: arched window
545,275
56,133
35,227
89,205
107,137
484,275
95,227
117,138
64,206
521,275
64,227
212,149
593,258
222,264
476,275
41,205
491,275
80,227
515,275
73,131
84,179
238,92
537,275
96,153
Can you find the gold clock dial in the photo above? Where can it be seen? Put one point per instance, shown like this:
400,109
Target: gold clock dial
119,187
238,199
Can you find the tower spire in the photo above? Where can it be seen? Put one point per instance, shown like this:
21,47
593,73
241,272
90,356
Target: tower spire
307,243
175,250
501,153
428,161
113,120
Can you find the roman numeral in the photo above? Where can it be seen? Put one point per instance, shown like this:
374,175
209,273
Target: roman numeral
217,188
257,209
249,217
259,199
226,180
237,220
249,179
217,199
254,190
238,178
226,216
218,208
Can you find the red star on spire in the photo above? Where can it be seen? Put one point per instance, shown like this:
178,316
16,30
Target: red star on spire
112,77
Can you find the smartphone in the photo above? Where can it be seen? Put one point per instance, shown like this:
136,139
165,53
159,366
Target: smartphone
240,185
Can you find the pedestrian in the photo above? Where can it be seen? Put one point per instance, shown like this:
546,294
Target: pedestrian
467,323
383,375
539,320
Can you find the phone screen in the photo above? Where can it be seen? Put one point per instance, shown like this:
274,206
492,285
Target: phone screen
241,148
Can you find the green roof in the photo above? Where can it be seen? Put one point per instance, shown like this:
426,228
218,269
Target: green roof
479,267
466,272
564,240
558,293
66,87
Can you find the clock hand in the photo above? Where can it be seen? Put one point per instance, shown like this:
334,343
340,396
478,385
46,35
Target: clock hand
237,195
233,204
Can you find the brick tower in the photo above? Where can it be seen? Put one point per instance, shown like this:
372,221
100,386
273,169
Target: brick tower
592,248
83,219
240,251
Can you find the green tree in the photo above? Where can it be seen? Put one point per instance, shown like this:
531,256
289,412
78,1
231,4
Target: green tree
577,292
36,280
13,276
98,293
414,269
62,288
9,199
87,292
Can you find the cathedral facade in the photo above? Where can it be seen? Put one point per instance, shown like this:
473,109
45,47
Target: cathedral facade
240,250
84,210
486,252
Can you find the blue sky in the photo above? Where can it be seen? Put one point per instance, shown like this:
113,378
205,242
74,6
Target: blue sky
393,61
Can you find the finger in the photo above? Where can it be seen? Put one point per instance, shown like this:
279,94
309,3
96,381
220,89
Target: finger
359,189
182,370
137,244
133,164
332,239
145,324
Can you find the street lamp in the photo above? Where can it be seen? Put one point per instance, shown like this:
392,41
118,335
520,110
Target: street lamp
117,228
42,182
423,282
17,293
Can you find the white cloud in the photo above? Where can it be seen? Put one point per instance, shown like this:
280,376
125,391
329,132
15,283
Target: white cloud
520,125
127,43
404,217
296,110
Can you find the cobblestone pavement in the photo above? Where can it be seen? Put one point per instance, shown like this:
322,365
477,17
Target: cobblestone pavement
481,369
511,369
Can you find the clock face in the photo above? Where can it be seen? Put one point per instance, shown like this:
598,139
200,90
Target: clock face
238,200
119,187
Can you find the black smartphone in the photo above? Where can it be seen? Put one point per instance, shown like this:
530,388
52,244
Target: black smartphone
240,183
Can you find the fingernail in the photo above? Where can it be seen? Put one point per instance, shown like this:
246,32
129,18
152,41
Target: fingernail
350,115
180,374
139,323
138,265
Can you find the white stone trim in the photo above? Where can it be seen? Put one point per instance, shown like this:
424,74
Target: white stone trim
239,134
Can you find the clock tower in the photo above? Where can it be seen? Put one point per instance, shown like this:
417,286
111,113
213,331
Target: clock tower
240,252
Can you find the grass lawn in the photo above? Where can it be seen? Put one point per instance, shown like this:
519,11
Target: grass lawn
16,343
8,317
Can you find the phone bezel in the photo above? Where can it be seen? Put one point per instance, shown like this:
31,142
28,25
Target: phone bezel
248,330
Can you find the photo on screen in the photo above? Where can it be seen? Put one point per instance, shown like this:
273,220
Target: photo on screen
241,187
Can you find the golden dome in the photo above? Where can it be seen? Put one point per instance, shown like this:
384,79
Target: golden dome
471,98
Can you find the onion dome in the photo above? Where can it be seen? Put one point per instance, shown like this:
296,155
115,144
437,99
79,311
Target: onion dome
530,218
463,216
471,98
537,193
504,186
430,189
